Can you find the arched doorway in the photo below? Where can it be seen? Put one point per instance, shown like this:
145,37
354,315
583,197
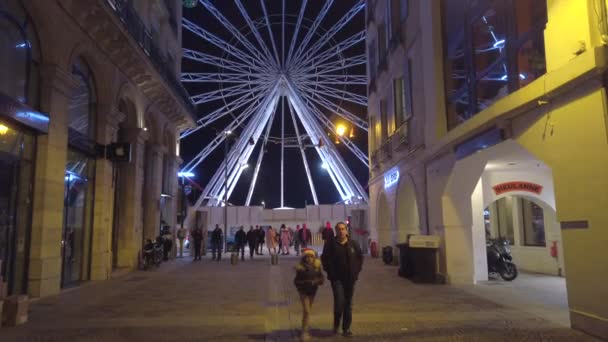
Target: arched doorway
408,220
509,192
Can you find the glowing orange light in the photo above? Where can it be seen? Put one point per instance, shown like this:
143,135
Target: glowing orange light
3,129
340,130
352,132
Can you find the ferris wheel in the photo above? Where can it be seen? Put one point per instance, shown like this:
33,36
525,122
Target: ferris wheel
277,64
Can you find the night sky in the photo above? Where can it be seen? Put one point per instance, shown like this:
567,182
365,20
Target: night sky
268,187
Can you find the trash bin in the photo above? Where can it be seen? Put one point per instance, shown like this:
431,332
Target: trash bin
423,252
387,255
406,264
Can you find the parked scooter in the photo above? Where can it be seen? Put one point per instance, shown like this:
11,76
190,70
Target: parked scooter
500,259
153,253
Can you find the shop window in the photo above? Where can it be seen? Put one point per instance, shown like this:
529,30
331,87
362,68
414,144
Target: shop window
395,18
402,95
372,63
372,131
399,101
498,219
382,42
82,103
533,224
492,49
383,122
19,54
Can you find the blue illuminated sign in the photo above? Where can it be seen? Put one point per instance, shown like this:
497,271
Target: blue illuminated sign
391,177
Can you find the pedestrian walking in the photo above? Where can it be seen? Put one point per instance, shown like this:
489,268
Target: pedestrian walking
342,260
296,240
261,238
197,238
305,236
167,242
327,233
308,278
284,238
240,239
272,241
217,240
252,241
181,236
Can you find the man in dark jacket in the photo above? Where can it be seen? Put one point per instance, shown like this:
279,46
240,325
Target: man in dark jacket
261,238
240,239
342,260
217,239
327,233
252,240
197,237
305,236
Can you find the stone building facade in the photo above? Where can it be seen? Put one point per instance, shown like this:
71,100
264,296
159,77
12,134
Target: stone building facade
80,80
489,119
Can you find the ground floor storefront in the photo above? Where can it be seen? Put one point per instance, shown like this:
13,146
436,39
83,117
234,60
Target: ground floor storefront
537,180
186,300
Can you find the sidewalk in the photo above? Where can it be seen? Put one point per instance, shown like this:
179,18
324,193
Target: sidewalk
253,301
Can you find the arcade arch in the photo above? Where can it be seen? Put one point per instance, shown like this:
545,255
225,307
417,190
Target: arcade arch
408,220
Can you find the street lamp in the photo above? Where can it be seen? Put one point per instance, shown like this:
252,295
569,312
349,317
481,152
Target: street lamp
229,135
340,129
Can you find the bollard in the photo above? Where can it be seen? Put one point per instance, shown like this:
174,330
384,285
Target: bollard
274,259
234,258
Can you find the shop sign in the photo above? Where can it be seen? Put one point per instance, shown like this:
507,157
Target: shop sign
517,186
391,177
23,114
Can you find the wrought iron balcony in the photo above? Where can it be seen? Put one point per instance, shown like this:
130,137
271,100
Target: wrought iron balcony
138,31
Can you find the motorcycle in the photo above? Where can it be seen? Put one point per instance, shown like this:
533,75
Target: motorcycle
500,260
153,253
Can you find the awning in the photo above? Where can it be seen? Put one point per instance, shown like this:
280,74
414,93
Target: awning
23,114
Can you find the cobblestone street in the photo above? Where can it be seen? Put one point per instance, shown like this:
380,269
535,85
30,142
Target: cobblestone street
210,301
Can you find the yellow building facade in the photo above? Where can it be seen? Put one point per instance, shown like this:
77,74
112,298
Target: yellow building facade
495,93
102,77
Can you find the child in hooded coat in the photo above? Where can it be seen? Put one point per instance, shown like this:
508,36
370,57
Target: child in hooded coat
308,278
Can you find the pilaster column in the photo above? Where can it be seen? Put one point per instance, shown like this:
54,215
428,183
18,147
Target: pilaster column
130,206
153,184
175,192
101,245
47,209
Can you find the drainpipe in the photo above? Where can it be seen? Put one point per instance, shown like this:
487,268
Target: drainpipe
426,201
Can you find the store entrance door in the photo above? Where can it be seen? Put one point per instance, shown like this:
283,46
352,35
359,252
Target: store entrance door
72,243
8,198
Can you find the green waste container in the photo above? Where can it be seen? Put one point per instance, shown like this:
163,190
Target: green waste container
423,252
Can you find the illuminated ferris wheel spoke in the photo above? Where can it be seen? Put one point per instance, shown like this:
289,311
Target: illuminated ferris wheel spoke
274,62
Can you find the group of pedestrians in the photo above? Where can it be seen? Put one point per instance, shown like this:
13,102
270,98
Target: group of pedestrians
342,261
283,239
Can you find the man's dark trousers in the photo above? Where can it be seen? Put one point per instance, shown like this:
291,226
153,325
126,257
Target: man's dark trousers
252,248
216,248
343,291
197,249
240,248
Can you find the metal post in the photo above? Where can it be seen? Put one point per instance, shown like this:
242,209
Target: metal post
225,189
183,201
282,147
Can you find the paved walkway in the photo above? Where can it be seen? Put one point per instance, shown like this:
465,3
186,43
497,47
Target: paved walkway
210,301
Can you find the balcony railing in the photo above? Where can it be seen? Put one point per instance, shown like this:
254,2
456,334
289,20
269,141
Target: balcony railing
400,137
138,31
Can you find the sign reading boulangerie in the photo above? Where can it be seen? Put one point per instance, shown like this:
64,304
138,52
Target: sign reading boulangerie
517,186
